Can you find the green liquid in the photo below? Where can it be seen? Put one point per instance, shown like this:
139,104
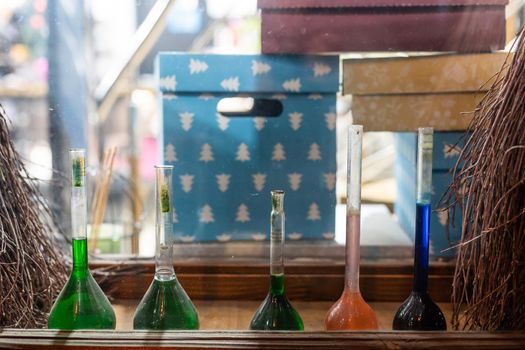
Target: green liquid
166,306
81,304
276,312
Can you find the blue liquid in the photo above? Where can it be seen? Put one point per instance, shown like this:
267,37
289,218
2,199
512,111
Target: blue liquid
421,247
419,312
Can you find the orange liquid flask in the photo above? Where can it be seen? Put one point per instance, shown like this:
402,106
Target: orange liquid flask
351,312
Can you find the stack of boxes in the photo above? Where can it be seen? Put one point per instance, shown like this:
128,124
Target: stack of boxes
215,155
402,94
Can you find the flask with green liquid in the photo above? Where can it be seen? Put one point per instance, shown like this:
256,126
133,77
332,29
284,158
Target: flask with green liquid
165,304
81,304
276,312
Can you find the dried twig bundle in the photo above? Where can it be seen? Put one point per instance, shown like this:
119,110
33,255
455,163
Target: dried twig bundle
489,188
98,206
32,269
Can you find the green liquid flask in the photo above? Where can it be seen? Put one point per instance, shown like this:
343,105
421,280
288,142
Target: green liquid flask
276,312
81,304
165,304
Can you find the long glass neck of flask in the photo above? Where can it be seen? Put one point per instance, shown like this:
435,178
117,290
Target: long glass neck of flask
164,223
277,243
353,207
78,207
423,208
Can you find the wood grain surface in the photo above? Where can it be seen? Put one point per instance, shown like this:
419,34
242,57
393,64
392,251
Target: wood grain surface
145,340
224,323
313,280
236,315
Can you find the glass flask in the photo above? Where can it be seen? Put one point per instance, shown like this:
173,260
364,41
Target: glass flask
165,304
276,312
351,312
81,304
419,312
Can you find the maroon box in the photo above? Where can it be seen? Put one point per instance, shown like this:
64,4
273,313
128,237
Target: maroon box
311,26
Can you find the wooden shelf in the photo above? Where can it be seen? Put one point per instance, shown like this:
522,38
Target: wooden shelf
311,280
223,325
227,315
227,293
147,340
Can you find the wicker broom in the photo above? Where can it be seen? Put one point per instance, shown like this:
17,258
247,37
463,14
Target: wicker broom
489,188
32,268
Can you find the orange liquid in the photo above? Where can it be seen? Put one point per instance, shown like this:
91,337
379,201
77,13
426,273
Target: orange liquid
351,312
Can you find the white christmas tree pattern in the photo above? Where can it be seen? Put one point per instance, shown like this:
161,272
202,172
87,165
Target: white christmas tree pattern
231,84
243,215
315,97
296,119
450,151
243,154
321,69
461,190
314,153
168,83
187,239
197,66
295,181
170,155
259,123
259,180
169,97
313,212
223,182
186,119
330,119
186,181
206,153
260,68
206,97
442,216
329,235
222,121
431,247
224,237
206,215
278,153
329,180
174,217
279,97
295,236
258,236
292,85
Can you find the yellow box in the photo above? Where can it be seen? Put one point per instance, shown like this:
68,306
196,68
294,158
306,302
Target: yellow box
407,112
421,74
402,94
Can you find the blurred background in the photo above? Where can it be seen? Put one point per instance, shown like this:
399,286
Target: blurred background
79,73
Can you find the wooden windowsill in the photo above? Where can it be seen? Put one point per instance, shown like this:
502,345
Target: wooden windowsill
227,293
228,315
148,340
307,280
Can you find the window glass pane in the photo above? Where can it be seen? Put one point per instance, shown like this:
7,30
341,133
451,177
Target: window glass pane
82,74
